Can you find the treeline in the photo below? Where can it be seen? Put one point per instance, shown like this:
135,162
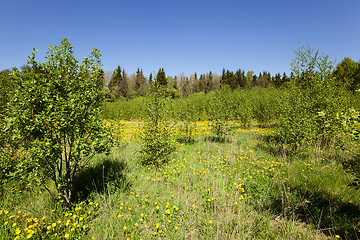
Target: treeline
119,84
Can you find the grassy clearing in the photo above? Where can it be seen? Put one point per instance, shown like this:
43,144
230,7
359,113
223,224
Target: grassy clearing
209,190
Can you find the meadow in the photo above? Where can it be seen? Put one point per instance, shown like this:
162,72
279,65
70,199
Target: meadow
236,158
243,188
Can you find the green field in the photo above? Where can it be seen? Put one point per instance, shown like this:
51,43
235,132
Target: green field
208,190
230,157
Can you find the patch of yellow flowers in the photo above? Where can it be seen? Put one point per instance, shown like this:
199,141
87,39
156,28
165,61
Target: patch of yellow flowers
59,223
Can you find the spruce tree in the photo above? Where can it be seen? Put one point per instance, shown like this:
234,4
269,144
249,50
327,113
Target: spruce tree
161,78
150,79
118,84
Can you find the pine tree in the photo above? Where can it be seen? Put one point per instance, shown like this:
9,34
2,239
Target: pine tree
115,77
224,80
140,82
161,77
150,79
118,84
277,80
254,80
194,84
240,78
209,82
202,83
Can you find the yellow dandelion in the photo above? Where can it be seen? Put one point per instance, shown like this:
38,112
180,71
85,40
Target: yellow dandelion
66,235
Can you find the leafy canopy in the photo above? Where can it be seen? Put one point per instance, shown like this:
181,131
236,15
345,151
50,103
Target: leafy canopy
56,115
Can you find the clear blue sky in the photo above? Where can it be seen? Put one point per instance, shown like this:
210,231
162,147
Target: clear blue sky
183,35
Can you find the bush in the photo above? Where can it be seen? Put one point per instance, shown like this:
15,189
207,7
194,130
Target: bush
157,144
220,115
310,115
55,116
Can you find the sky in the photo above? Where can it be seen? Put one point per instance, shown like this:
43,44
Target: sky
184,36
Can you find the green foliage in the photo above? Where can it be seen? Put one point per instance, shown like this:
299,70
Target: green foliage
118,84
8,156
123,109
351,122
157,144
347,74
312,70
6,88
266,104
242,105
161,78
243,108
56,115
186,114
309,116
220,115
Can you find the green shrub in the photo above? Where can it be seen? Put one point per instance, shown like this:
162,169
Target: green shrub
220,114
157,144
310,115
55,116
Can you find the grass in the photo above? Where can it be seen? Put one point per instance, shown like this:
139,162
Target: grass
238,189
